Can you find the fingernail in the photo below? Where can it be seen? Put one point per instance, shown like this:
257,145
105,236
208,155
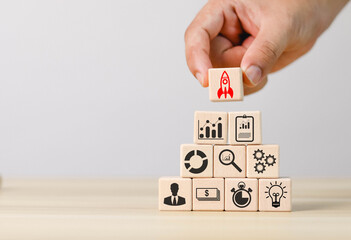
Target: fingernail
254,74
199,78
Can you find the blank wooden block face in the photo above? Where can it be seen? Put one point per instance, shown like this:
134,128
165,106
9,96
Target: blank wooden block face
175,194
245,128
208,194
210,127
196,160
229,161
262,161
275,195
241,194
225,84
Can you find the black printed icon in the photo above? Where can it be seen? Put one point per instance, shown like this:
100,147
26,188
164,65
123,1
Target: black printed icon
192,154
244,128
227,157
241,197
276,193
263,161
207,194
174,199
210,131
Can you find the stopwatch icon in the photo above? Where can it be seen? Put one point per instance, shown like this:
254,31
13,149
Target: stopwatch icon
241,197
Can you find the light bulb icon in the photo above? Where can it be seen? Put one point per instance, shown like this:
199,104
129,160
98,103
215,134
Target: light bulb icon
276,193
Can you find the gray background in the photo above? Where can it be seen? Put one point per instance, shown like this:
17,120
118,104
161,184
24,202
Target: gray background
101,88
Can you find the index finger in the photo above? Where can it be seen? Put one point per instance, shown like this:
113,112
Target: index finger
205,27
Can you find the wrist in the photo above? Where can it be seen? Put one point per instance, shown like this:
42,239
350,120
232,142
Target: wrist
328,10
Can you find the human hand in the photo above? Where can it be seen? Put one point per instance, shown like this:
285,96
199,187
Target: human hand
260,36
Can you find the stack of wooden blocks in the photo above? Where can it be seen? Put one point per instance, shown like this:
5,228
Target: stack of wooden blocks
214,175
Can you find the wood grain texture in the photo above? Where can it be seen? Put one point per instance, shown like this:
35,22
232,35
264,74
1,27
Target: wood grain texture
128,209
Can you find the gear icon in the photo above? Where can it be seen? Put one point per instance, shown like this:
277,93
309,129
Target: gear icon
270,160
258,155
260,167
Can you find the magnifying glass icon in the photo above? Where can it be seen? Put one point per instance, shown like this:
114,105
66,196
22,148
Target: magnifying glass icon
227,157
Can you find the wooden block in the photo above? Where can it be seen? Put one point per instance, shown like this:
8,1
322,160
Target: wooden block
208,194
262,161
175,194
196,160
210,127
245,128
241,194
229,161
275,195
225,84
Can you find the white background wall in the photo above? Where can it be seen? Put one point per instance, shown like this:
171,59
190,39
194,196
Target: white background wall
101,88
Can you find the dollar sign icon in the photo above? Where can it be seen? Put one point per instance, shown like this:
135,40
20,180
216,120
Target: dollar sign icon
207,194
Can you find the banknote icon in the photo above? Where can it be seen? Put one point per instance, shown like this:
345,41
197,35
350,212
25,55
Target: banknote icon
207,194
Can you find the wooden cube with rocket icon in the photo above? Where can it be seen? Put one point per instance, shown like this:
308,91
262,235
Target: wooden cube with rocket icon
225,84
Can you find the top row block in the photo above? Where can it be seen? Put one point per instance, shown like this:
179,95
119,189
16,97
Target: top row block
225,84
213,127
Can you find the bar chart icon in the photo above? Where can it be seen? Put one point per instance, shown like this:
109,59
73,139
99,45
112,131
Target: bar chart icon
210,130
245,125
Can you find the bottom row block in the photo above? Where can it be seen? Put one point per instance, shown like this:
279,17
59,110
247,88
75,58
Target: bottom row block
229,194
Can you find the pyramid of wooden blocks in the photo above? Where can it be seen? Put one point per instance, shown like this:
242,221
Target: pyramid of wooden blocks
227,168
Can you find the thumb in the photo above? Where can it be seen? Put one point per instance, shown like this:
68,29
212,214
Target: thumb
262,54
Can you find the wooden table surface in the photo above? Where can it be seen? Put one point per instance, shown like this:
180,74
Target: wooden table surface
127,209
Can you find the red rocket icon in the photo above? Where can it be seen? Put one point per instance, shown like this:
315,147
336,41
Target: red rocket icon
225,86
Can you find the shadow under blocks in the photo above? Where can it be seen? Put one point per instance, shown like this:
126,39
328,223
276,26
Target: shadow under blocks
227,168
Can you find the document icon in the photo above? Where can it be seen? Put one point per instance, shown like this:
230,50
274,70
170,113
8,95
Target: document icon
244,128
